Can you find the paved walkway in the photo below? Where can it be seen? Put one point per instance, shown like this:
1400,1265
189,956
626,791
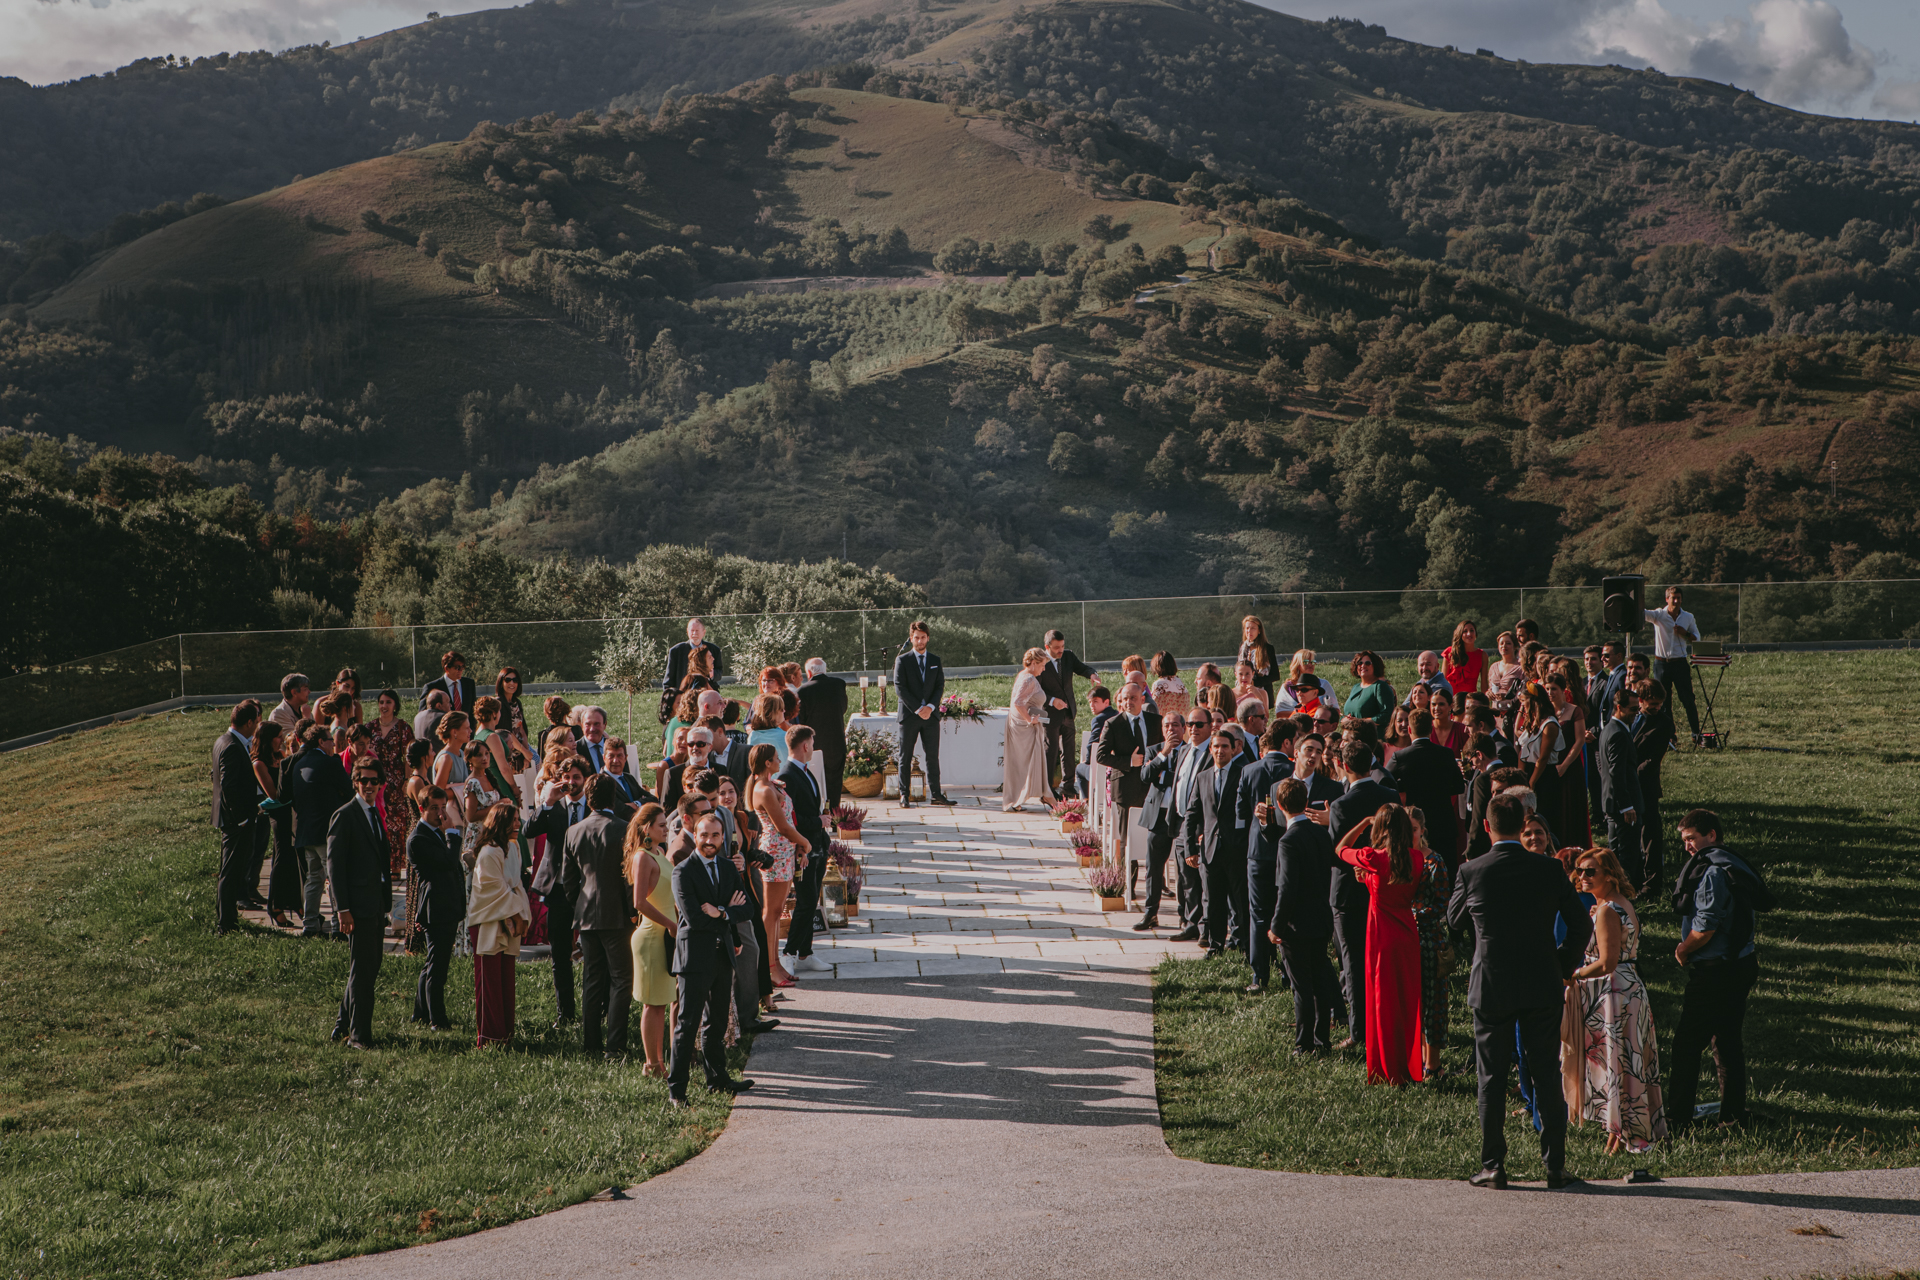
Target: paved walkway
974,1096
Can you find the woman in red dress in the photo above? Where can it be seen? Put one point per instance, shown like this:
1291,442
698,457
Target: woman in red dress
1386,864
1464,663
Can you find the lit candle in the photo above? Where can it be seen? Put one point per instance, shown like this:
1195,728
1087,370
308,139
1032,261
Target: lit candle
863,681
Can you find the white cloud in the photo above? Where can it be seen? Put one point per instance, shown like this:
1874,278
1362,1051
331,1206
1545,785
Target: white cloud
1795,52
43,41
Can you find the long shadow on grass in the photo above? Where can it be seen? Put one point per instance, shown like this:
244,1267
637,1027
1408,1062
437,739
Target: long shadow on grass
1774,1199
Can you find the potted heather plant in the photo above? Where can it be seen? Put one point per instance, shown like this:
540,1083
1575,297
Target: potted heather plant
1072,815
1109,885
1086,847
852,874
848,819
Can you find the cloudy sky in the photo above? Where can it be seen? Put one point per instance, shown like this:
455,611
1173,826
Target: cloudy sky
1848,57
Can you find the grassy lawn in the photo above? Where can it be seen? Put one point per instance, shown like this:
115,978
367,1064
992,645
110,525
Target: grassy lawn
170,1103
1820,787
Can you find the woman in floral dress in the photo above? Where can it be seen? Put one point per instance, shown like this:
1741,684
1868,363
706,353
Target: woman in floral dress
1430,918
1617,1054
392,735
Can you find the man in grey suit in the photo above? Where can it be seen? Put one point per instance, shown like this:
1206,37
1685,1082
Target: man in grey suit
1223,842
1158,817
591,879
1620,786
709,897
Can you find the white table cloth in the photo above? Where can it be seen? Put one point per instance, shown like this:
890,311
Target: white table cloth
971,755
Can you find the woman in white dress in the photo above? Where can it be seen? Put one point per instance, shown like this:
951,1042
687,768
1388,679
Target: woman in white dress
1025,754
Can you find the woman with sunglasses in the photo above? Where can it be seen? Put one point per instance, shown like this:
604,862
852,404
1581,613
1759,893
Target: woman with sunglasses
1372,697
1612,1055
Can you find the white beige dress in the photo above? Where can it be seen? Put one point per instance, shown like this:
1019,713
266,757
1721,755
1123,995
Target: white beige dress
1025,752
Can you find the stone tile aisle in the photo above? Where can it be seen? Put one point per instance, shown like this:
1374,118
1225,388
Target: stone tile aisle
970,889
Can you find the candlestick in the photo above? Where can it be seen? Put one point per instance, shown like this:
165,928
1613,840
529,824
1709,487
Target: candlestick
863,695
883,695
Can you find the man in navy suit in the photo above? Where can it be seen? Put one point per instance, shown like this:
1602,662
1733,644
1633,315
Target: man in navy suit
1302,920
920,683
1620,785
1223,842
236,802
1257,781
678,656
803,791
443,904
709,897
1512,899
357,864
316,788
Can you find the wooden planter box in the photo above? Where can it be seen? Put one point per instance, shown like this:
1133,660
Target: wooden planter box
1088,859
864,788
849,835
1111,904
1070,825
853,908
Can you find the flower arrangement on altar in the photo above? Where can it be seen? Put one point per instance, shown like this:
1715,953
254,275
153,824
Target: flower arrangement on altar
962,706
869,752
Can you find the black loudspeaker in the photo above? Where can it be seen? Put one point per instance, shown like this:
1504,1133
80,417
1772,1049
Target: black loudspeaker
1622,603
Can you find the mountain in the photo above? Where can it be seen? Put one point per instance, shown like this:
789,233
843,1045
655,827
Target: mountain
1082,300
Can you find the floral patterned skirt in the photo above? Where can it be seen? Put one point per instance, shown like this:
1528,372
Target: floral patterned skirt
1620,1058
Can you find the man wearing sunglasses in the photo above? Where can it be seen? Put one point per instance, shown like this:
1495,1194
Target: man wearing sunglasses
357,866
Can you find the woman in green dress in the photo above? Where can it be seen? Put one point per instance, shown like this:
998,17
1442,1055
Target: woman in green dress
1372,696
652,877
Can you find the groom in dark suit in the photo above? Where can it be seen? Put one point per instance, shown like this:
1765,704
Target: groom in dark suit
1302,921
1511,897
1056,681
920,682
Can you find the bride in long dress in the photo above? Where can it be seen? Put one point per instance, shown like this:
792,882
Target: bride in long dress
1025,754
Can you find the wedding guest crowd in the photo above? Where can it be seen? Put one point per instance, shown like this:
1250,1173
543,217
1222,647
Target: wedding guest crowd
1356,843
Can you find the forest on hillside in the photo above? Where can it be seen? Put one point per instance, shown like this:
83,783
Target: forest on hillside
1671,332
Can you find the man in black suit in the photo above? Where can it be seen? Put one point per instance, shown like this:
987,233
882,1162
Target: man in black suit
1346,895
1607,674
236,804
443,904
709,897
1511,897
728,753
1620,786
920,683
317,786
678,655
592,744
1428,775
1302,920
1653,735
357,864
823,709
1223,843
1056,681
453,682
595,886
801,789
1160,819
564,804
1125,742
1257,781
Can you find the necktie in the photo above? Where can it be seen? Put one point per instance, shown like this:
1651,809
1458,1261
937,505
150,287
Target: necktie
1140,732
923,670
453,693
576,811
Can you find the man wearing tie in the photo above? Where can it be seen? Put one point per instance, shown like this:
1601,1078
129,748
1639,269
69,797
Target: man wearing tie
592,746
1124,745
594,884
632,793
357,863
1186,827
236,802
920,682
1160,819
1257,782
1056,681
443,905
453,682
566,804
678,655
1223,843
709,897
798,779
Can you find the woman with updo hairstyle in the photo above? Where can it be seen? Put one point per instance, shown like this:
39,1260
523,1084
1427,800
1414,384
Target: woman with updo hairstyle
1611,1059
651,876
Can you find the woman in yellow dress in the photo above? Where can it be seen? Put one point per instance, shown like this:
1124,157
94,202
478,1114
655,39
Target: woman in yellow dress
652,877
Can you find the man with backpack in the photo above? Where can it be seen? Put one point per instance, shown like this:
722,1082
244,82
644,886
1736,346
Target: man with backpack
1717,896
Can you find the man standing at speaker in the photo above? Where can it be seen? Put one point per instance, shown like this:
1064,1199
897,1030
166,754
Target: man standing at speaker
1056,681
1673,630
920,683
